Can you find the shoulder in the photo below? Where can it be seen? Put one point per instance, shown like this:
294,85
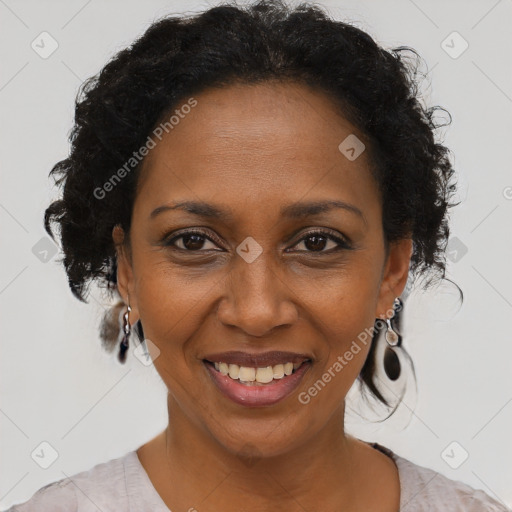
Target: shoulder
57,496
94,490
423,489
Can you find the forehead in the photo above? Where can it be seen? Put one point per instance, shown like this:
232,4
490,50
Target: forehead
243,143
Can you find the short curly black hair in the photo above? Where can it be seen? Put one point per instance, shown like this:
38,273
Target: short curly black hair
179,56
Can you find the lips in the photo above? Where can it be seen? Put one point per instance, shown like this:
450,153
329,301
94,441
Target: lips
255,379
255,360
253,394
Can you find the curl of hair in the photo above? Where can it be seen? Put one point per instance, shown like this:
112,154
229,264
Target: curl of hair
179,56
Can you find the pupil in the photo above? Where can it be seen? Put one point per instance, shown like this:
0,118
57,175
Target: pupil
197,242
318,244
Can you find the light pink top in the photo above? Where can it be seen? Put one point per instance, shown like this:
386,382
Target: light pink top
122,485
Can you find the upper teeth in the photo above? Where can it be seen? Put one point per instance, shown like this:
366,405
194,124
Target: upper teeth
262,375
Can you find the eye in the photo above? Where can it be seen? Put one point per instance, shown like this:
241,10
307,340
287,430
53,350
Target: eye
191,241
320,240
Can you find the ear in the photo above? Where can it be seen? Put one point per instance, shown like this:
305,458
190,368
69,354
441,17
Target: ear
125,277
394,277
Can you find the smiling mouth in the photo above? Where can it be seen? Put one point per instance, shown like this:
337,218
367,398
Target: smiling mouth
256,376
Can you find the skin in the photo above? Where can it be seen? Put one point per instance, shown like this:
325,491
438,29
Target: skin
251,150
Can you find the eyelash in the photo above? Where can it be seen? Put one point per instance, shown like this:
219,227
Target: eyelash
342,243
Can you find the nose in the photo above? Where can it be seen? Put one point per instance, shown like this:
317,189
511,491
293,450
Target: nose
257,298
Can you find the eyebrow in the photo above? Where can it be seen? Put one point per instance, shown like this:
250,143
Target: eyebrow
294,210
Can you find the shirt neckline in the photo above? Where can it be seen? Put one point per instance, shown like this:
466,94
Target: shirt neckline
136,472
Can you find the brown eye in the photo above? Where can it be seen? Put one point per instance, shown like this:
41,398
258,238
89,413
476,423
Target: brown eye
191,241
322,241
315,242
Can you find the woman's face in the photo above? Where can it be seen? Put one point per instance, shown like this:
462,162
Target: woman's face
252,164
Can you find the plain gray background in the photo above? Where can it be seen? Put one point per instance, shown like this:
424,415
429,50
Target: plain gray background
59,387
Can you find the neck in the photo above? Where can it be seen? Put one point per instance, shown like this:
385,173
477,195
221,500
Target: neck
222,479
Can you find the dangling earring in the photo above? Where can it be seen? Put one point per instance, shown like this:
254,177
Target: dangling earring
389,366
125,342
392,336
391,361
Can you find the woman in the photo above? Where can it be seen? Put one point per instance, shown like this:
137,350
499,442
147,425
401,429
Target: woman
256,185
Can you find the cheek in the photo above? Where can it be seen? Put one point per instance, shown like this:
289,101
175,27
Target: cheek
342,361
346,319
171,312
345,303
167,301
